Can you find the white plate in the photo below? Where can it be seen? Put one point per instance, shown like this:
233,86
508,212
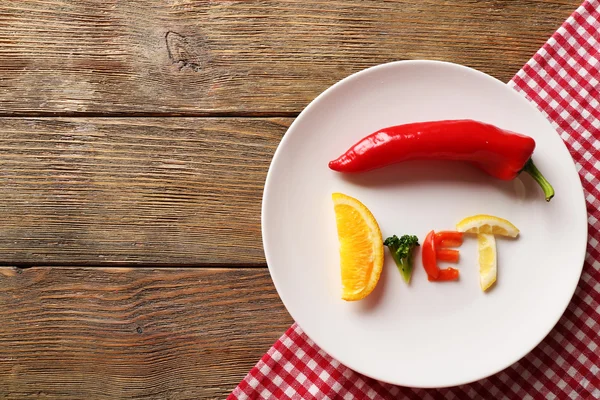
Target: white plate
426,334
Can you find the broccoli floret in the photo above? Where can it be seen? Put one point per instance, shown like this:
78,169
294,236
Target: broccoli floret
402,250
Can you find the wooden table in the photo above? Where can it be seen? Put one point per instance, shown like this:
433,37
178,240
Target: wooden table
135,137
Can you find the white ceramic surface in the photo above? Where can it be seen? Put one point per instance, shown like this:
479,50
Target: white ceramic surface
426,334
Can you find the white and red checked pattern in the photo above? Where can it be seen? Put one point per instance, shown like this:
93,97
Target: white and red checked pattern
563,80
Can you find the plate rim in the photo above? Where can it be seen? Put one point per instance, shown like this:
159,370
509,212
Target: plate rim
356,75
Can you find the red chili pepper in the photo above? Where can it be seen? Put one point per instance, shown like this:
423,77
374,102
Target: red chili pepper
448,239
500,153
447,255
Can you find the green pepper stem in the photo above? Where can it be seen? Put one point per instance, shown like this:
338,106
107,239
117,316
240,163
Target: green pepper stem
535,173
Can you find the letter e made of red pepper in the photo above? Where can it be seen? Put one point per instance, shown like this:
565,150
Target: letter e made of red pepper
436,246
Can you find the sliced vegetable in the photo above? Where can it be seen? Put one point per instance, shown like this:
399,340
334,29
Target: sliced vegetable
433,251
448,239
428,256
402,250
447,255
446,274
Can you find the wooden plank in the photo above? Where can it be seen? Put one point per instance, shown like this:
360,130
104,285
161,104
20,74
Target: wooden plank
79,333
242,57
174,191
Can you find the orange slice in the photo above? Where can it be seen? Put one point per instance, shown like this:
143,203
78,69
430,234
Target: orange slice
361,247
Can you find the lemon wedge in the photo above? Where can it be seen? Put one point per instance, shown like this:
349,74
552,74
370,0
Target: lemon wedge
486,244
361,247
487,224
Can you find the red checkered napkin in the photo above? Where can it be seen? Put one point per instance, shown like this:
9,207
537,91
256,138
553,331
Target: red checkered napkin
563,80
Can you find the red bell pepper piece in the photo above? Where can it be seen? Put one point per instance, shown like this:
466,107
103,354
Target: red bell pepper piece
446,274
428,256
448,239
431,254
500,153
447,255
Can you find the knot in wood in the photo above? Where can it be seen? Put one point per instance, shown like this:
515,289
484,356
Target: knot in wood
186,53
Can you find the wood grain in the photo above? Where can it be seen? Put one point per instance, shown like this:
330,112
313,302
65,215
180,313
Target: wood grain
178,191
162,191
76,333
257,58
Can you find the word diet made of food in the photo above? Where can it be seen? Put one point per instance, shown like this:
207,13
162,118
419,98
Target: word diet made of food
500,153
